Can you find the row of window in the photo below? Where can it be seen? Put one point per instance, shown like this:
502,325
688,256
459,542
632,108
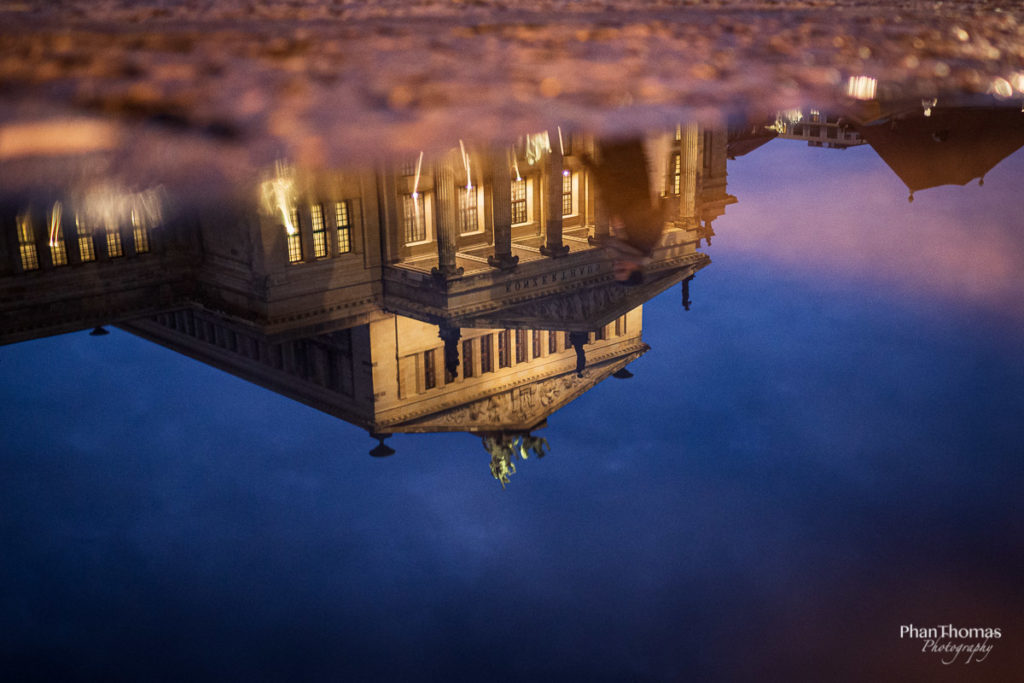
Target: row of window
513,347
326,361
341,214
676,162
832,132
416,208
110,239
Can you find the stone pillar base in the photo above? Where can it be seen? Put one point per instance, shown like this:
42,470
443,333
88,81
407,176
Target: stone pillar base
447,272
555,252
503,262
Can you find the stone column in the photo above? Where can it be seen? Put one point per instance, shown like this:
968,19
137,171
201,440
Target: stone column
553,207
501,208
41,238
689,160
447,229
602,224
686,293
390,210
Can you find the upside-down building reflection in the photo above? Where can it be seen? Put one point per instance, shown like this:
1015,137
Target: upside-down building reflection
465,292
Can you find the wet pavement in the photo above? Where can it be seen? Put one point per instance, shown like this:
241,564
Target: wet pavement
321,82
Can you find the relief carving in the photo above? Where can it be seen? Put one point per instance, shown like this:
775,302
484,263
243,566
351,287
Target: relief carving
529,403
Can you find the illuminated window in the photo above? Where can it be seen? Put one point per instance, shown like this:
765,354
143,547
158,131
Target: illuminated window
316,212
27,243
139,235
552,342
486,363
114,243
86,248
504,352
536,343
568,205
467,211
58,251
677,172
521,346
344,220
467,358
429,376
295,240
414,219
519,212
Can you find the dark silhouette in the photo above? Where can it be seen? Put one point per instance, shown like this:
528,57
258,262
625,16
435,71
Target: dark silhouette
636,215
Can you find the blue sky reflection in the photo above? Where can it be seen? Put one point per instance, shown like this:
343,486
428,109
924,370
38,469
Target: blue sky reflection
828,445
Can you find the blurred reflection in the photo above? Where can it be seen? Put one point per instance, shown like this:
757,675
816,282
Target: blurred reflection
476,290
950,140
936,144
468,291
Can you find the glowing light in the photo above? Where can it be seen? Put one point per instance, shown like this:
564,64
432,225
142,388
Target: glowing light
536,145
515,165
416,180
561,146
465,163
112,207
565,173
862,87
927,106
278,193
1002,88
55,214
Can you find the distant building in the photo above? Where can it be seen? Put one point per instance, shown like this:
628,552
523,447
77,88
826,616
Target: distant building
818,129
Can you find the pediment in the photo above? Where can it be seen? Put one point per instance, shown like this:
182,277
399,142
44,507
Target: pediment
519,408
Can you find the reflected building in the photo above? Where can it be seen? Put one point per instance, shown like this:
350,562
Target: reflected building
817,128
464,292
952,141
928,143
467,291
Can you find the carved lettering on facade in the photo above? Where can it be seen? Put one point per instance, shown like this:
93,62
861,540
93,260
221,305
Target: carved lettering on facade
551,278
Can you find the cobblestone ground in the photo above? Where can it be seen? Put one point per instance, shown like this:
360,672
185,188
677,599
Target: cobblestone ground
234,84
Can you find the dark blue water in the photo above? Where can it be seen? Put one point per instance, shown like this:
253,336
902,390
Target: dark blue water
828,446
